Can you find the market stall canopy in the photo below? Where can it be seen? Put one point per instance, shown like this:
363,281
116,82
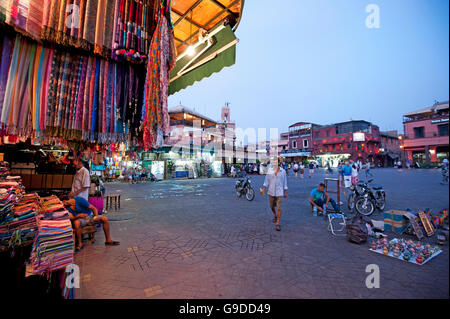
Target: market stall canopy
204,38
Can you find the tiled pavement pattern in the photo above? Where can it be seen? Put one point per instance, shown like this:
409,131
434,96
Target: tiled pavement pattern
196,239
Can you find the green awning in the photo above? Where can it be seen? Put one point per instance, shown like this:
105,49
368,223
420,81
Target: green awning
218,53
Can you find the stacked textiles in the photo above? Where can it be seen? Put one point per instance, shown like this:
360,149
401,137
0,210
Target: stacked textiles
53,244
17,216
4,170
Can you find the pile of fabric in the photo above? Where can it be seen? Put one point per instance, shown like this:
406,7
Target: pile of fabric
4,170
17,215
53,244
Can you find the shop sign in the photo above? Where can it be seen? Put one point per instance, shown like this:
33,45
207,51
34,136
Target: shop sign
98,167
439,121
359,137
157,169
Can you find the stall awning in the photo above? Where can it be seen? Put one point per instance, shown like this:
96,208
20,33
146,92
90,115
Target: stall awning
216,51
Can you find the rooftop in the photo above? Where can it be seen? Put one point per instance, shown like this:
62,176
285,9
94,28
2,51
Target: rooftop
429,110
180,109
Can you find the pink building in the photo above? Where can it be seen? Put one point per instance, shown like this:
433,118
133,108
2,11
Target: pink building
426,134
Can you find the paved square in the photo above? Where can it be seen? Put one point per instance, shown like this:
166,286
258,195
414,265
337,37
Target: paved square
196,239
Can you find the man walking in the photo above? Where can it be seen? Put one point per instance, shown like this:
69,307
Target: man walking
276,184
295,167
81,181
368,172
311,169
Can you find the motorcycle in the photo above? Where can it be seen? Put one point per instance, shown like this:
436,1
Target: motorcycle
243,187
365,198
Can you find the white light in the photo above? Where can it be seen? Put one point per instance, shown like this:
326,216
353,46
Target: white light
190,50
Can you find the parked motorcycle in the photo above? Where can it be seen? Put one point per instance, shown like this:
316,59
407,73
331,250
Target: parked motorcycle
243,187
364,198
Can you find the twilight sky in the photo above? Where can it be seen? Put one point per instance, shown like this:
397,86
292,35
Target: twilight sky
316,61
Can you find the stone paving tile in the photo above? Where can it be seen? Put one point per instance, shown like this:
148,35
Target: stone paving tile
196,239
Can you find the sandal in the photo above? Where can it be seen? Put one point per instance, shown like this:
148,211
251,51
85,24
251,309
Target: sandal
277,227
79,249
113,243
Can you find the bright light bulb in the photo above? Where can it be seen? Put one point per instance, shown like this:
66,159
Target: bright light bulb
190,50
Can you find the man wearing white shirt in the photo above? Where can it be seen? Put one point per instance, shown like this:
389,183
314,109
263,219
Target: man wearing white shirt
81,182
276,184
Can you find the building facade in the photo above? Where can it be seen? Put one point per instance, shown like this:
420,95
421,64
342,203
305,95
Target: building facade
426,134
390,151
330,144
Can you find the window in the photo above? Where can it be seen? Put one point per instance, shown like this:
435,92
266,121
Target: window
317,134
419,132
328,133
334,147
443,130
305,143
294,144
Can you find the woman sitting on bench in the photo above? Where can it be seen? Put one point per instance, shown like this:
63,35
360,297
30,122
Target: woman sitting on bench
82,213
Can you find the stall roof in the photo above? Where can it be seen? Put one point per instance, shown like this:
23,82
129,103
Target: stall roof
189,16
204,38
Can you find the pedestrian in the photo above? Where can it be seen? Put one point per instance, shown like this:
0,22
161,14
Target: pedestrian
286,168
276,184
368,172
340,174
354,174
311,169
295,167
319,200
347,174
81,181
302,170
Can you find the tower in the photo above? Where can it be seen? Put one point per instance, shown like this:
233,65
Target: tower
226,113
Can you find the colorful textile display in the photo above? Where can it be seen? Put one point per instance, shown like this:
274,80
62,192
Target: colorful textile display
117,28
162,59
58,93
50,93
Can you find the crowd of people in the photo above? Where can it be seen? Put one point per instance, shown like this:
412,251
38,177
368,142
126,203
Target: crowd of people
131,175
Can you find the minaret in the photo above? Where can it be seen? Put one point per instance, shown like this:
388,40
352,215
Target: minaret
226,113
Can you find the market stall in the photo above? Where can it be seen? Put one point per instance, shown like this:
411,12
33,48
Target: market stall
89,79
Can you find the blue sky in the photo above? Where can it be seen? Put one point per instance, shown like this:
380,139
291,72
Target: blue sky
316,61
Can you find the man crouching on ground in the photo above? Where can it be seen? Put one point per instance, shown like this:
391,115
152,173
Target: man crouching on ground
82,213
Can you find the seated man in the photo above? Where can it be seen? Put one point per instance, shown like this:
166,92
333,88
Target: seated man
319,200
82,213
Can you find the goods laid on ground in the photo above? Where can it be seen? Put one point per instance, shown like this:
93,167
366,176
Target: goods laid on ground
406,250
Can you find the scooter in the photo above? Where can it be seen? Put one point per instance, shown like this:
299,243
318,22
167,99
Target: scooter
243,187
